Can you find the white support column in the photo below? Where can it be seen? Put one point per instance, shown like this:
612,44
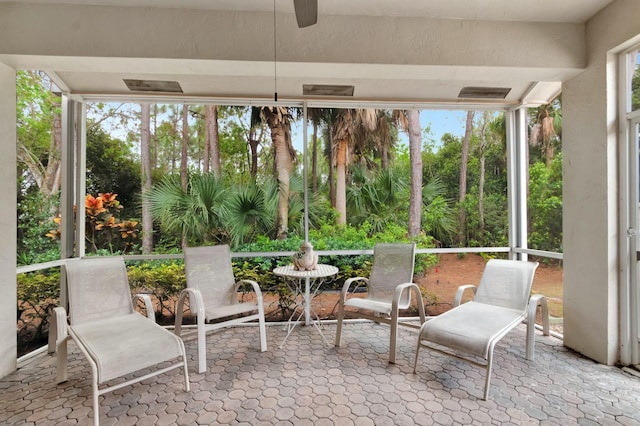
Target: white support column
8,220
67,180
80,175
515,120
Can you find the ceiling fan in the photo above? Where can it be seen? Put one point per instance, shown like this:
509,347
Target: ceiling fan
306,12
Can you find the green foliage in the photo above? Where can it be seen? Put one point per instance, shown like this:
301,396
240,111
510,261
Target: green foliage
635,89
36,106
493,233
34,222
379,198
196,213
545,205
163,280
112,168
37,293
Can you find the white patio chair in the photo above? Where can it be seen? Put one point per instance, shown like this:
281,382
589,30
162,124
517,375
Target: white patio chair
115,339
502,301
389,291
212,292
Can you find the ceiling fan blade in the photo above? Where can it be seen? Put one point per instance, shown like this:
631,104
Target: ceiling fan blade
306,12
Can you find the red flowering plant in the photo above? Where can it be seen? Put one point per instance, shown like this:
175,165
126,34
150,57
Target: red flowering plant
103,228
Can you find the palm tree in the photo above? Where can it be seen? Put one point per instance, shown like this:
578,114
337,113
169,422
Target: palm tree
409,120
343,138
145,176
374,197
211,160
251,211
440,217
462,189
483,138
196,213
184,152
319,117
546,128
279,121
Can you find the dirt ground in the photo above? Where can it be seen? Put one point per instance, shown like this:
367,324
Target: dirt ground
442,281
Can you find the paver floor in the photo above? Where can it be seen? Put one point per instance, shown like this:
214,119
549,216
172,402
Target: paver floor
308,382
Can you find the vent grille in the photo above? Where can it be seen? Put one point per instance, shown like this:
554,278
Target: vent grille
153,86
484,92
326,90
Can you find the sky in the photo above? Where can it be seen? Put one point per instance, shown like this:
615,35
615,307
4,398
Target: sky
441,122
444,121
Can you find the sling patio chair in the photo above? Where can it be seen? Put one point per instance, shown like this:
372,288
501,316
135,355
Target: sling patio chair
502,301
212,293
113,337
389,291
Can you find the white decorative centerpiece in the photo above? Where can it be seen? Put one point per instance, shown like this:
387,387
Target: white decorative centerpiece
305,259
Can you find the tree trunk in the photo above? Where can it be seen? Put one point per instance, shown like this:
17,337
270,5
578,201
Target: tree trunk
483,147
184,178
185,145
341,181
462,193
52,176
153,142
253,147
214,138
415,155
332,167
481,195
206,155
284,168
384,153
145,177
314,158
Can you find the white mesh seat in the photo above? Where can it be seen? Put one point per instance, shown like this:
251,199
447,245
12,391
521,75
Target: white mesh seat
212,292
389,291
114,338
474,328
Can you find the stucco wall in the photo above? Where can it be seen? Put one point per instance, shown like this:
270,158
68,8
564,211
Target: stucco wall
8,228
590,168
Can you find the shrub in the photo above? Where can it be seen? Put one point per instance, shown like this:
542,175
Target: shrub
38,293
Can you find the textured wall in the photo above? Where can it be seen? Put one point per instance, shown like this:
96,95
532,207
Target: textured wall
8,228
590,179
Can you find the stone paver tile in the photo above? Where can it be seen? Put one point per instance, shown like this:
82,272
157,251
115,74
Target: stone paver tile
311,383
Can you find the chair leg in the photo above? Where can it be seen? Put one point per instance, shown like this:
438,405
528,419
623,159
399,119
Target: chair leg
96,404
339,324
61,368
415,361
393,337
263,332
487,380
202,344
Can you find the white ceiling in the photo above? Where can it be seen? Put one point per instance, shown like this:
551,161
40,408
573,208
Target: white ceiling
574,11
102,76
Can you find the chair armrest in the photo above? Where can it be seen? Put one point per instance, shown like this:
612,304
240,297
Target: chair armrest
256,289
347,284
535,301
60,325
196,305
148,306
460,293
400,289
